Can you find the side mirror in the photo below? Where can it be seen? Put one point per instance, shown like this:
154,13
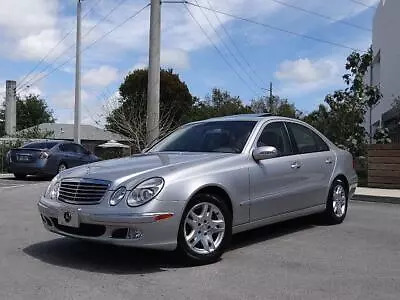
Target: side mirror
263,153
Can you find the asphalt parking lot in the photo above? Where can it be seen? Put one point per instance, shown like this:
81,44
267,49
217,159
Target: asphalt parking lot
301,259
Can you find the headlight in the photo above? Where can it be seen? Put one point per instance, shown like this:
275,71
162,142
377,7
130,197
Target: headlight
53,189
145,191
117,196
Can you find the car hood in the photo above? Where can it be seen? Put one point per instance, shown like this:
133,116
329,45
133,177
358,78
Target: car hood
142,164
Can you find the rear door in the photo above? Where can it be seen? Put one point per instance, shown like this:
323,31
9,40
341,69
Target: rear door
84,155
317,163
70,155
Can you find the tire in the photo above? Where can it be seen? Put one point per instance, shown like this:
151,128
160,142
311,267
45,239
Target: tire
61,167
219,224
337,204
20,175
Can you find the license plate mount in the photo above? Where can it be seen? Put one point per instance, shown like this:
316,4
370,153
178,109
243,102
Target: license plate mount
23,157
69,218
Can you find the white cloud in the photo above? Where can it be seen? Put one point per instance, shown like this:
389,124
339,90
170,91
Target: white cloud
304,70
170,58
305,76
66,99
36,46
175,58
101,76
29,28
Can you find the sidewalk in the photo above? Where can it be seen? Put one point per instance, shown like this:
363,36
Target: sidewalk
377,195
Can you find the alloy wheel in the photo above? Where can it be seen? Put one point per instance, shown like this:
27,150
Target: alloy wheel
339,201
204,228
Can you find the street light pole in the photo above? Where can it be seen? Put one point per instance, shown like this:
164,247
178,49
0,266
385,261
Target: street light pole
153,89
77,116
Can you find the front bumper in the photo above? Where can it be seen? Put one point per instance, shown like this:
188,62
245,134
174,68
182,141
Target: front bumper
127,227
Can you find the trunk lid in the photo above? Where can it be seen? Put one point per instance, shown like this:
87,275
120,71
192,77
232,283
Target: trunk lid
25,155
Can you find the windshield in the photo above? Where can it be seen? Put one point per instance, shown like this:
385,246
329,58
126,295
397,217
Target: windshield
217,136
40,145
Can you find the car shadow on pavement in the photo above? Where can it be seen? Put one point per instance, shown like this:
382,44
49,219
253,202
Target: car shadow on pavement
109,259
102,258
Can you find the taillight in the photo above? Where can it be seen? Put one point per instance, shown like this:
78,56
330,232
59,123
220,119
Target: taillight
43,155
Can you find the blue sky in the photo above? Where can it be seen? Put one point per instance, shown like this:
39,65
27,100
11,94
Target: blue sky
302,70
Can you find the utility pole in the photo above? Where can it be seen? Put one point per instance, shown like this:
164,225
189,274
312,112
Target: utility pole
153,89
77,116
11,108
271,101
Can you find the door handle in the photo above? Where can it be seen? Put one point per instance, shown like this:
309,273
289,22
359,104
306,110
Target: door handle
328,160
295,165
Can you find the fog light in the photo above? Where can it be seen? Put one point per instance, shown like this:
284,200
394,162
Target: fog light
134,234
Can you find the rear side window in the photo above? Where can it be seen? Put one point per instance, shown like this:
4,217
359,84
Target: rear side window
67,148
40,145
306,140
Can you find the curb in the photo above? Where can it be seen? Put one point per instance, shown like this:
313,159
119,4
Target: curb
377,199
6,175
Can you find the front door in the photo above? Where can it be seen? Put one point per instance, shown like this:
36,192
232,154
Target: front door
273,182
317,163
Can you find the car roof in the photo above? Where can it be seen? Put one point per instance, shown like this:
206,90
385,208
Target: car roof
49,141
242,117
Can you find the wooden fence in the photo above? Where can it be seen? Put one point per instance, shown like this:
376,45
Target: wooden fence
384,166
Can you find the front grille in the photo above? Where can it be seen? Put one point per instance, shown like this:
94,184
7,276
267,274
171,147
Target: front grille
82,191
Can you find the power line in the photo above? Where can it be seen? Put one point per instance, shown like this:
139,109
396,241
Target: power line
42,60
227,47
236,46
88,46
219,51
85,35
273,27
53,48
91,8
363,4
104,17
321,15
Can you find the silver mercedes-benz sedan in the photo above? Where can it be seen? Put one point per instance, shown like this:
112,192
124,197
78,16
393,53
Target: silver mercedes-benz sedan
193,189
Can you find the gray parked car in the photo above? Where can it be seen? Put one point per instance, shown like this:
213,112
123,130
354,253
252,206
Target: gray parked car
207,180
47,158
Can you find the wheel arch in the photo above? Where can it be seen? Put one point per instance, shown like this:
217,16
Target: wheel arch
215,190
343,179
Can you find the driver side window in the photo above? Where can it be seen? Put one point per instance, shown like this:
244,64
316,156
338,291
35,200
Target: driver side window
275,135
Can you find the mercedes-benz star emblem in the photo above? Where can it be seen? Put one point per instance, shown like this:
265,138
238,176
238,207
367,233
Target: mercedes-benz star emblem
67,217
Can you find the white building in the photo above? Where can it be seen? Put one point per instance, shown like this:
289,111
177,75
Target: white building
386,64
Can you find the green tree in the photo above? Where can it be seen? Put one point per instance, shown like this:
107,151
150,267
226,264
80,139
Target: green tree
277,106
343,121
126,114
31,111
320,120
219,103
